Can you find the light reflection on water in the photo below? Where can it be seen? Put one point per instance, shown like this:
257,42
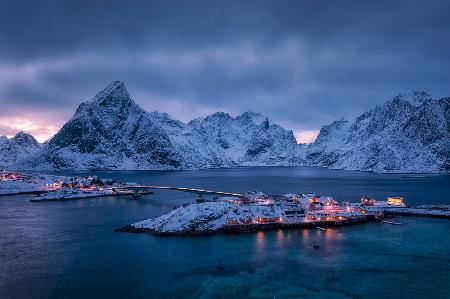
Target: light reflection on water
280,237
260,241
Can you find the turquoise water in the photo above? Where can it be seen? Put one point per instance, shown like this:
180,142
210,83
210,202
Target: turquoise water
69,249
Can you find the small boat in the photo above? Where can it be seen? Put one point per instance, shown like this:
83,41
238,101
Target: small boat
136,195
321,228
37,198
315,245
220,267
390,222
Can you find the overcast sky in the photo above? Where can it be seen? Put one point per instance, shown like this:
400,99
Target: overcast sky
301,63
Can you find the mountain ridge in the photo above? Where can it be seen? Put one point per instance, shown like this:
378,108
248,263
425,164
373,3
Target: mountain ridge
411,133
407,134
112,132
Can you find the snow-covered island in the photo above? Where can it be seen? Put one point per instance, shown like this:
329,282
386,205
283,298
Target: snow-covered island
57,188
257,211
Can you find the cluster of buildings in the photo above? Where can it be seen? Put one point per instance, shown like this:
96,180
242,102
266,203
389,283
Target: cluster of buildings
88,183
51,187
19,177
258,208
8,176
390,201
50,182
66,188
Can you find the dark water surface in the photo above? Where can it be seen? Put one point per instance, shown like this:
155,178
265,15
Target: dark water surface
69,249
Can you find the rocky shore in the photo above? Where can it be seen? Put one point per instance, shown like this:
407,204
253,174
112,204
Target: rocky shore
247,228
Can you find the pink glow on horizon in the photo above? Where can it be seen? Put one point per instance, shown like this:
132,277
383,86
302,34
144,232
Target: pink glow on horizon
42,129
44,125
306,136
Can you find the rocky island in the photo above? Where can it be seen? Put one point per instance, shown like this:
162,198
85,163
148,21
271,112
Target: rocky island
256,211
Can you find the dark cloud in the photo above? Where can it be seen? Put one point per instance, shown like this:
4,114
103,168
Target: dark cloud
302,63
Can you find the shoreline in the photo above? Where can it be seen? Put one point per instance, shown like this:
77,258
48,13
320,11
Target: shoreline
245,228
85,197
57,171
47,187
251,228
23,193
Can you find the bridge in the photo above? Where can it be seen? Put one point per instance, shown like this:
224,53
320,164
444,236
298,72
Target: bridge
199,192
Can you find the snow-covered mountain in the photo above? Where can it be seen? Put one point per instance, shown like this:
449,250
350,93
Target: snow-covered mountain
249,139
112,132
17,147
411,133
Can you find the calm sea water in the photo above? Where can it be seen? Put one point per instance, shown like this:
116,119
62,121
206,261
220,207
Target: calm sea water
69,249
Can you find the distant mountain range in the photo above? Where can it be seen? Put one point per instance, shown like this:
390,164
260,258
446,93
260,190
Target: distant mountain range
112,132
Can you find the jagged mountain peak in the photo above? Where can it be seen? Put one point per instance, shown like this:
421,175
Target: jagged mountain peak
217,116
112,132
220,114
254,117
331,131
400,101
397,111
113,98
414,98
25,139
339,122
335,125
420,96
410,133
246,118
17,147
116,90
109,115
3,139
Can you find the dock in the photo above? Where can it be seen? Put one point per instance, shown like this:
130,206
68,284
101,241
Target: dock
182,189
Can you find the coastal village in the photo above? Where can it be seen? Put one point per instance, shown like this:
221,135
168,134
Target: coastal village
255,211
57,188
221,212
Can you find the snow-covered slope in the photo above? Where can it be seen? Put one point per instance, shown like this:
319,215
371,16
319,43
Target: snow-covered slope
112,132
249,139
411,133
17,147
